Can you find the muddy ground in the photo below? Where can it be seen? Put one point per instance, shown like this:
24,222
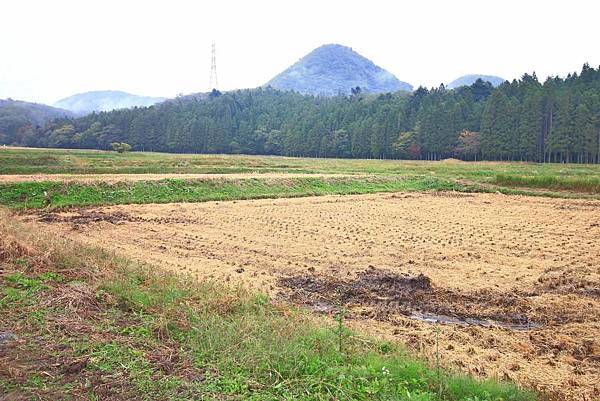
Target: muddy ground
514,281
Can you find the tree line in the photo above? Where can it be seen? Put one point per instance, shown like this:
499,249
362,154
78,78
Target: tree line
525,120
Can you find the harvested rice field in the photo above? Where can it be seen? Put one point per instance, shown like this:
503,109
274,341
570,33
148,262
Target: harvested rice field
509,285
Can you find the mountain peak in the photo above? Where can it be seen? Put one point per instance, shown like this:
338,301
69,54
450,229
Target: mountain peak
104,100
332,69
468,80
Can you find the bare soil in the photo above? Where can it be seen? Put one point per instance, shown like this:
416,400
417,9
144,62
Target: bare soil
514,281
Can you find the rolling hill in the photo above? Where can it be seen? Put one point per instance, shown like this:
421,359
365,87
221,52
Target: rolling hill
16,114
34,113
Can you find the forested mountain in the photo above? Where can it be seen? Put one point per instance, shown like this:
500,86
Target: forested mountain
16,114
334,69
468,80
84,103
556,121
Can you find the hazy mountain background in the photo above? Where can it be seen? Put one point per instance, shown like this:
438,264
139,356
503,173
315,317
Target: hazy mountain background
87,102
15,115
468,80
35,113
333,69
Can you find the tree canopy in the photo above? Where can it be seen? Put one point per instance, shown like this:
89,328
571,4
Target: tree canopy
557,121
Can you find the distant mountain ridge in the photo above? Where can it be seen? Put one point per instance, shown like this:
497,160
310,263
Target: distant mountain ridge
87,102
17,114
468,80
35,113
333,69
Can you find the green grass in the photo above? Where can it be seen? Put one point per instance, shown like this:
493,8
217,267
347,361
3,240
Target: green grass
581,184
32,195
162,337
548,177
60,161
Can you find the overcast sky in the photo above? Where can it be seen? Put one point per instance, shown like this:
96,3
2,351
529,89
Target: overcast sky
53,49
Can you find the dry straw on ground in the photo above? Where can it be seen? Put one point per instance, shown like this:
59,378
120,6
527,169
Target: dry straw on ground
511,258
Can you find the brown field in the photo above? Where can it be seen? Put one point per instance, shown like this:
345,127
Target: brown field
516,280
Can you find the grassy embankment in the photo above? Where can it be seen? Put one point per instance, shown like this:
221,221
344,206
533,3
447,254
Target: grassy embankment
589,184
79,323
504,176
60,161
31,195
384,176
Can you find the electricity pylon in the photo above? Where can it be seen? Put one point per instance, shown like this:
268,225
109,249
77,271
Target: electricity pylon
214,82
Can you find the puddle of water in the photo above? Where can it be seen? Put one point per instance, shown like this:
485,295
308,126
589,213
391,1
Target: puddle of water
322,307
432,318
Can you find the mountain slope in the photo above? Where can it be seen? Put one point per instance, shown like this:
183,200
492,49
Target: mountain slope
333,69
87,102
34,113
468,80
16,114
